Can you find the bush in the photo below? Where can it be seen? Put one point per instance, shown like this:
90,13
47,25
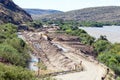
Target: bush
20,46
86,39
12,55
15,52
115,48
8,31
9,72
112,60
35,24
102,45
12,48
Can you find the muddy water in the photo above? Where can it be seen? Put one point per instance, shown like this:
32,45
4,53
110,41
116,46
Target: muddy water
112,32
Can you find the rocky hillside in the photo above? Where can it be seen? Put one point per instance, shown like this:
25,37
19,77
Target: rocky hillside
11,13
109,13
36,13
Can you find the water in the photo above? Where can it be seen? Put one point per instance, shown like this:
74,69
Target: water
33,63
61,47
111,32
112,28
20,36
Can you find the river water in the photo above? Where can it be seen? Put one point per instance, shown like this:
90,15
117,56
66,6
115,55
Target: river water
111,32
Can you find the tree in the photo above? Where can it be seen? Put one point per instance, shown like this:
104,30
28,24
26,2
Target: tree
101,46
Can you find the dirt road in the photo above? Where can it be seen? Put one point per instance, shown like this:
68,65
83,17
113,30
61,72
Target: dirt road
93,71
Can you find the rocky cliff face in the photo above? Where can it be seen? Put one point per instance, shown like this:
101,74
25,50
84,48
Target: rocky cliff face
11,13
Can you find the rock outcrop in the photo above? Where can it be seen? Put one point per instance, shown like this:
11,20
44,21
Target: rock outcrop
11,13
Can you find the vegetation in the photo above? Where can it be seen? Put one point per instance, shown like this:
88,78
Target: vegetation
15,52
12,48
78,23
108,53
97,24
112,60
14,55
35,24
7,31
101,45
9,72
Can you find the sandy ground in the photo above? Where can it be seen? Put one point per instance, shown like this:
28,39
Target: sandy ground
93,71
112,34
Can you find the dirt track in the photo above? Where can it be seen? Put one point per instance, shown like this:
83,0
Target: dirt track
61,56
93,71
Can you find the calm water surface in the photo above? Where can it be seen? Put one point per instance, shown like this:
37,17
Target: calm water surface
112,32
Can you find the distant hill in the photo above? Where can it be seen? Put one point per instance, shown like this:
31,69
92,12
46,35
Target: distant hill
41,11
11,13
100,14
36,13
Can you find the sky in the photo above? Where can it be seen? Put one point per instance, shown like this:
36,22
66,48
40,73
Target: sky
65,5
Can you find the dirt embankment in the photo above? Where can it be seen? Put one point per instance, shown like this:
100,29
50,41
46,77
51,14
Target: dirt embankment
61,52
50,53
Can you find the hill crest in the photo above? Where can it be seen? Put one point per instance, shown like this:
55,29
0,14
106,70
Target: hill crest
100,14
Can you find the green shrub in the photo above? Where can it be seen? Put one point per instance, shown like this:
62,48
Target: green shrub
112,60
12,48
9,72
8,30
11,55
102,45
